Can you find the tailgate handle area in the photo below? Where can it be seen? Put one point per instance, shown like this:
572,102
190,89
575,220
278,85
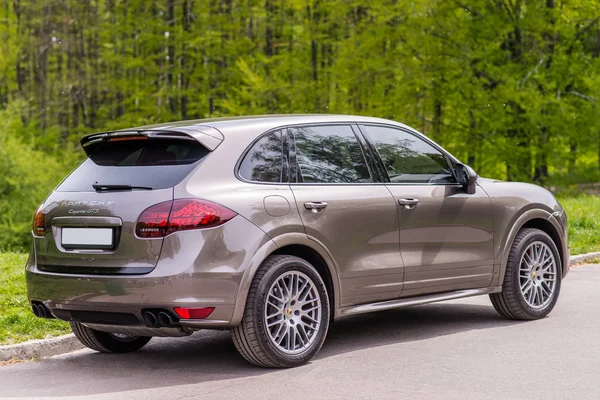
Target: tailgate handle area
87,221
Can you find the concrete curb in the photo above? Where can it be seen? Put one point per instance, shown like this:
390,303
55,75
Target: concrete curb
42,348
36,349
583,258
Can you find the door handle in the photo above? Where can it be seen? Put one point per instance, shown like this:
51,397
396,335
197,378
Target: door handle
315,206
409,204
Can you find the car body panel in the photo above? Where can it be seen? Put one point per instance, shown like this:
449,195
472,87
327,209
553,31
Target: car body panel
196,268
359,227
116,210
446,240
514,205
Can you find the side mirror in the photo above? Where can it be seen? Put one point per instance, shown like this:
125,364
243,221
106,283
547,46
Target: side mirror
466,177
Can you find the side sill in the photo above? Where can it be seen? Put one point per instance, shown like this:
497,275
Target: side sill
413,301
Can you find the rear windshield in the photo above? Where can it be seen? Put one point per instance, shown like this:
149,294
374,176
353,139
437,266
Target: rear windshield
154,163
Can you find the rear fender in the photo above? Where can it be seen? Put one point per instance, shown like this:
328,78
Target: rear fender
266,250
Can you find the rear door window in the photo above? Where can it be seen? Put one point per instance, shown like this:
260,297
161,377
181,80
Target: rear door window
264,161
329,154
154,163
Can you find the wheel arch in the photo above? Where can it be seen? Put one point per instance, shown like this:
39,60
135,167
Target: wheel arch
297,244
544,221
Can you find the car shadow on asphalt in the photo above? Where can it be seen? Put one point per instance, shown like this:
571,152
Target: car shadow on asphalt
210,355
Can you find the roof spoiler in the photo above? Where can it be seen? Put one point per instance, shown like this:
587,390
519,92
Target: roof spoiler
208,136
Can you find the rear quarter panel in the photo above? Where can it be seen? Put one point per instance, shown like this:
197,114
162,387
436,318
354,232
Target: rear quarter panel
270,207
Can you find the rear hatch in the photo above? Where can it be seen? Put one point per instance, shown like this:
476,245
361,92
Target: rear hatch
89,221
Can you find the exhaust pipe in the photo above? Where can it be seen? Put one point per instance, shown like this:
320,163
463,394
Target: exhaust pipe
39,310
35,310
164,319
42,311
150,319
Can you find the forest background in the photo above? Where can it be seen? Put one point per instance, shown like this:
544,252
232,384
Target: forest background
511,87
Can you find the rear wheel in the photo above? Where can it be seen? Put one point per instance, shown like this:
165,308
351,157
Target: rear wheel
286,316
105,342
532,279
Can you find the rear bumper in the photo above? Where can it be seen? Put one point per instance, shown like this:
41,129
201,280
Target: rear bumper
196,269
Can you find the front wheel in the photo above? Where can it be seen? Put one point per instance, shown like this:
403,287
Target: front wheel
532,279
105,342
286,316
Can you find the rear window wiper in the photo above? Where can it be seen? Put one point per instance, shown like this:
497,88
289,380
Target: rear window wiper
101,188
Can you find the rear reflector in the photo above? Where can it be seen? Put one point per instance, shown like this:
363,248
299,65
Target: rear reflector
39,224
194,313
180,215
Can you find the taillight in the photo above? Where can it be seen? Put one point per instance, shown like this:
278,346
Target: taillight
39,224
180,215
153,221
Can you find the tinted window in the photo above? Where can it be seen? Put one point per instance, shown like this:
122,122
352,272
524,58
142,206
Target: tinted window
407,158
329,154
128,153
264,161
155,163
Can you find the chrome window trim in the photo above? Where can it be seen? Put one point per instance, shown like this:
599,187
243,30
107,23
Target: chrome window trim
284,130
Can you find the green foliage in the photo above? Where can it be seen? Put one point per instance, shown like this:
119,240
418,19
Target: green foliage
510,87
17,321
583,212
28,175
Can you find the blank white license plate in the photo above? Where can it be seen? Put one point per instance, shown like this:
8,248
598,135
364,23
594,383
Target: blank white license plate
87,237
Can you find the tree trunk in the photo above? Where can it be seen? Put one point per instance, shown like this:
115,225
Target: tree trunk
171,55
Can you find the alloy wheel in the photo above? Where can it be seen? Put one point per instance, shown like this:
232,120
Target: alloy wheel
537,275
293,312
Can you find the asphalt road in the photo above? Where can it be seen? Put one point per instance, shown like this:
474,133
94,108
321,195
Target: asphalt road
454,350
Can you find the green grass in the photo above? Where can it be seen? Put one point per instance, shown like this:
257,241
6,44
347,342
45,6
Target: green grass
583,212
17,322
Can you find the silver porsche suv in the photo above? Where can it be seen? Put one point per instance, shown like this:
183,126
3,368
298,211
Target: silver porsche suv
274,226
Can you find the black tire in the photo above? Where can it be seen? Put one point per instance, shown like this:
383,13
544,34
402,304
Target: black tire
105,342
251,336
511,303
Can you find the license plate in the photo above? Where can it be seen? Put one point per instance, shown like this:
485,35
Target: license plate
88,238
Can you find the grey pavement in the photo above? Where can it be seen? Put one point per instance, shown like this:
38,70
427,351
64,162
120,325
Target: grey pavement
453,350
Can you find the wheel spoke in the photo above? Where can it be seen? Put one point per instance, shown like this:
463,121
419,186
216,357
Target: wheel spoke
312,328
282,289
542,253
273,294
276,306
293,338
301,290
276,322
302,334
312,308
290,286
548,267
279,331
545,289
